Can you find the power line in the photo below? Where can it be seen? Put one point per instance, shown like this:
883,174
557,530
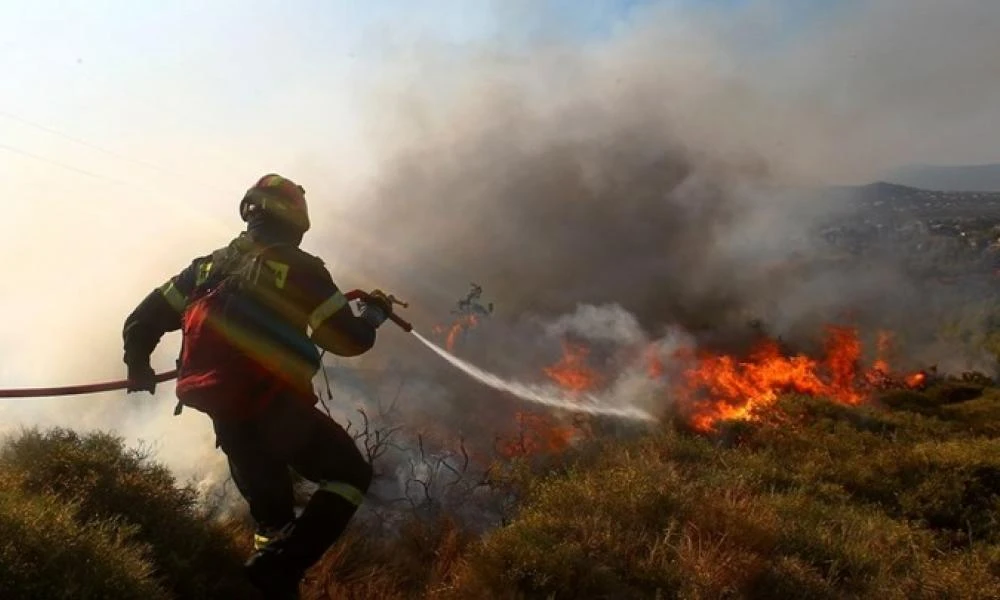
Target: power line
92,146
69,167
53,162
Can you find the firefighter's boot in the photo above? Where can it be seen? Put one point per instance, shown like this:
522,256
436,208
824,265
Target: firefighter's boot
279,566
273,575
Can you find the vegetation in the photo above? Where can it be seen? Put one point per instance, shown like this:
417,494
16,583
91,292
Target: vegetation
818,501
896,499
82,516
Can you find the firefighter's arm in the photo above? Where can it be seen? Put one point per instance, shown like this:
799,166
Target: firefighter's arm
336,329
158,313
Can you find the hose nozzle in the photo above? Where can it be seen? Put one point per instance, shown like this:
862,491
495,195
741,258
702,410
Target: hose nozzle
365,297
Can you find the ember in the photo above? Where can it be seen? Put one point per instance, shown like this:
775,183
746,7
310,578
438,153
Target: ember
916,380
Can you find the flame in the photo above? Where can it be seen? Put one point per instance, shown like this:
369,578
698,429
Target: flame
571,372
915,380
453,331
720,387
708,387
885,347
538,434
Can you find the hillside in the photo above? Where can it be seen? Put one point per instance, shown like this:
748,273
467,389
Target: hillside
894,499
934,235
815,501
959,178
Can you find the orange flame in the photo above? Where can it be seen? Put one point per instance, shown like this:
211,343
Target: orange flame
710,388
540,433
452,332
916,380
571,372
884,348
537,434
716,388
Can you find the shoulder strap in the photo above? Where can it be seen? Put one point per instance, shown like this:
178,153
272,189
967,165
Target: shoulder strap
224,262
239,263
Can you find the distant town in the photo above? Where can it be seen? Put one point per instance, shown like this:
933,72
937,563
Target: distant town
937,234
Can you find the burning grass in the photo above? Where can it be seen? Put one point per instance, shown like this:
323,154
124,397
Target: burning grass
821,501
703,388
834,478
716,387
895,497
786,476
816,498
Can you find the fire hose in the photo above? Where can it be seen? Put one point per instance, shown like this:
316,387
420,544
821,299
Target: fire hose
108,386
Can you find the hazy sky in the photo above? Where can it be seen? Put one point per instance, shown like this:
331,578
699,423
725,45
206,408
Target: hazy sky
129,130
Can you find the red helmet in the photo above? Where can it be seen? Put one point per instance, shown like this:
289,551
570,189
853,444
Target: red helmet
277,196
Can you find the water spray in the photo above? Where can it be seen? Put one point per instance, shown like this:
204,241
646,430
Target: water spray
549,396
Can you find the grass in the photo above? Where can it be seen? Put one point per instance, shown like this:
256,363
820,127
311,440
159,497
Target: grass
896,499
821,501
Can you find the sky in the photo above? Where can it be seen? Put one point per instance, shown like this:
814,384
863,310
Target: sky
129,130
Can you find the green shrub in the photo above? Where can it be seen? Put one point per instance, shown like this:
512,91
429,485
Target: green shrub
46,553
108,482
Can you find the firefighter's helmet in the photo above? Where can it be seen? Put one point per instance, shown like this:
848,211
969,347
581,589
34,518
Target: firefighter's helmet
278,197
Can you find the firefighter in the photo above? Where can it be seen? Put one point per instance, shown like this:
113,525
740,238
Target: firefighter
251,315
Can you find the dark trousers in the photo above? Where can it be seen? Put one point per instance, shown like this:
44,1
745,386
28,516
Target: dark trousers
289,434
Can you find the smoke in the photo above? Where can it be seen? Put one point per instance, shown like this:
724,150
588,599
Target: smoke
660,186
670,167
612,324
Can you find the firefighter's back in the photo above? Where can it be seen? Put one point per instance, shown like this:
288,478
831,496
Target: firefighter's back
245,330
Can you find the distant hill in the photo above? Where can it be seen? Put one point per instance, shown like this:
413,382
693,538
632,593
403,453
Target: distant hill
883,197
969,178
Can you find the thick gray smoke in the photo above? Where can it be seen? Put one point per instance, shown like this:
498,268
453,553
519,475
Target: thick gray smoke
667,169
660,187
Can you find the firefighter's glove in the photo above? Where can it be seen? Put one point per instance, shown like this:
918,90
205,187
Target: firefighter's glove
377,308
141,378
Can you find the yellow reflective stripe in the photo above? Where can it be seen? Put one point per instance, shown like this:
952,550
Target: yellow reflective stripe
174,297
203,272
280,272
345,491
259,541
324,311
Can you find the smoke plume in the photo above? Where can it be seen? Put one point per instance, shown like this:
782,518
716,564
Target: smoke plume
670,168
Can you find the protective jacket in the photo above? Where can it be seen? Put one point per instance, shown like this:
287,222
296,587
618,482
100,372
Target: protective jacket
251,317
